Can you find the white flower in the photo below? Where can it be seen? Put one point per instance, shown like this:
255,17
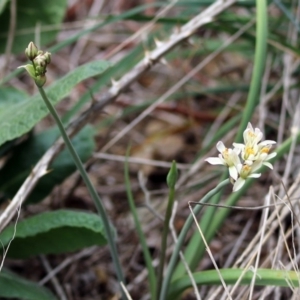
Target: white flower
252,150
227,157
253,154
246,171
252,137
245,159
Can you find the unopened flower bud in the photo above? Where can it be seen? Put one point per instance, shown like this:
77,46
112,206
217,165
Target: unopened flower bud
40,64
31,51
47,56
40,61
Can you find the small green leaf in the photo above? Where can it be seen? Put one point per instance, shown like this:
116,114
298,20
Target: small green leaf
54,232
18,118
30,70
172,175
13,286
29,15
26,155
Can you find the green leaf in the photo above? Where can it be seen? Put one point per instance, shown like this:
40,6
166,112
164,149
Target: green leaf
31,13
13,286
26,155
11,96
18,118
2,5
54,232
30,70
263,277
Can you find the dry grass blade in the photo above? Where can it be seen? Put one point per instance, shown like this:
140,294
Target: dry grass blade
188,270
210,254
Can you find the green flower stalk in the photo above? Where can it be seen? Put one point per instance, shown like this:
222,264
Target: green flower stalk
171,181
37,70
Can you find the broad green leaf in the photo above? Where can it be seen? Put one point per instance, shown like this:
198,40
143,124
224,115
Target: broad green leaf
13,286
30,14
54,232
18,118
26,155
11,96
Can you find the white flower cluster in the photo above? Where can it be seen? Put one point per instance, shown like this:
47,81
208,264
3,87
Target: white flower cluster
244,159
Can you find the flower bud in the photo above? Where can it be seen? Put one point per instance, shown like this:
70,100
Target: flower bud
40,61
40,64
31,51
47,56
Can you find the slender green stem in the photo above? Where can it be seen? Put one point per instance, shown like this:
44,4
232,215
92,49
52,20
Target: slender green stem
163,247
90,187
182,235
146,253
259,66
193,257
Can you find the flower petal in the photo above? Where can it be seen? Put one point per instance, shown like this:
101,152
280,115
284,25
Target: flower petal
233,172
254,175
238,184
220,146
214,161
267,142
271,156
249,126
267,164
256,165
239,146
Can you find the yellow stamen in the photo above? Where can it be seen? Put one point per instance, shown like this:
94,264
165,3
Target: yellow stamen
249,151
265,150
